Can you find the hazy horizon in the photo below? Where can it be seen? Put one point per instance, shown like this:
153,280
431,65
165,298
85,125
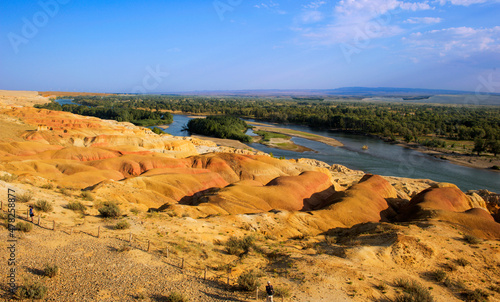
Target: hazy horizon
222,45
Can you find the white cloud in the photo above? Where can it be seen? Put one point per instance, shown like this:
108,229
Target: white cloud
455,42
355,20
424,20
311,16
315,4
271,6
466,2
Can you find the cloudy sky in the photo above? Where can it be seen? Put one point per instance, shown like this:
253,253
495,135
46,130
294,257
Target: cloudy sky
166,46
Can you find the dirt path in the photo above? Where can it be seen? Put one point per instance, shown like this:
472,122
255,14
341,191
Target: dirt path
93,269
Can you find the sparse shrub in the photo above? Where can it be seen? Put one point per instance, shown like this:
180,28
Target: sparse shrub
8,177
109,209
471,239
124,248
43,205
31,291
248,280
413,292
157,130
24,226
140,296
25,197
86,195
438,275
462,262
238,246
456,285
65,192
477,295
135,211
122,225
381,287
76,206
177,297
48,186
282,292
51,270
494,288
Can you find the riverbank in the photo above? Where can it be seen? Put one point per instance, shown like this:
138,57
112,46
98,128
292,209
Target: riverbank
314,137
466,160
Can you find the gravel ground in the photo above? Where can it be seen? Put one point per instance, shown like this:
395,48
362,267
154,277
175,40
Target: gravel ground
93,269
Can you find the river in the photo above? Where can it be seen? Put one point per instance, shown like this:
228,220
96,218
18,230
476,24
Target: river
381,158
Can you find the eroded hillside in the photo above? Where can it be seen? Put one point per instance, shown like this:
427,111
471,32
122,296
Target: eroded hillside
323,233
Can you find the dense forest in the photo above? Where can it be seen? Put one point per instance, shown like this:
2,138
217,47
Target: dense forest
220,126
115,111
427,124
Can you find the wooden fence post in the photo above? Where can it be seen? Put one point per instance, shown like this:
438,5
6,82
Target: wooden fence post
1,205
257,294
205,274
98,231
228,274
148,245
130,237
182,263
71,231
27,214
53,225
167,253
38,220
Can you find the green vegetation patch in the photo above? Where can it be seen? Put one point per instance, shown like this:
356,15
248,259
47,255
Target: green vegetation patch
220,126
266,136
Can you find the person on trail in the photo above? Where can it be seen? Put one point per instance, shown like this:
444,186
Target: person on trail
31,213
270,291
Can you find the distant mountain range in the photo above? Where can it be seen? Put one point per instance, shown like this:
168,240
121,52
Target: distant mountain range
386,94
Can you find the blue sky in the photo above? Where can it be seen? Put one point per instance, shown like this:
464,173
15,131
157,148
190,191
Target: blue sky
167,46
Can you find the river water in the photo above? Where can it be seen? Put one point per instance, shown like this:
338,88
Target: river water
381,158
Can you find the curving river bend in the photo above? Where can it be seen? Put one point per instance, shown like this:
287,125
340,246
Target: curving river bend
381,158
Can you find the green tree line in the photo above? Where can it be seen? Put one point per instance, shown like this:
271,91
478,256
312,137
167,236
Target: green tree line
410,121
118,112
220,126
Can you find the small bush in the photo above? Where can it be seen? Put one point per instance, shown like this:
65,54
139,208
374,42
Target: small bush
381,287
86,195
238,246
25,197
477,295
462,262
51,270
494,288
8,177
282,292
24,226
438,275
122,225
76,206
471,239
65,192
31,291
455,285
43,205
47,186
177,297
248,281
413,292
135,211
109,209
124,248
